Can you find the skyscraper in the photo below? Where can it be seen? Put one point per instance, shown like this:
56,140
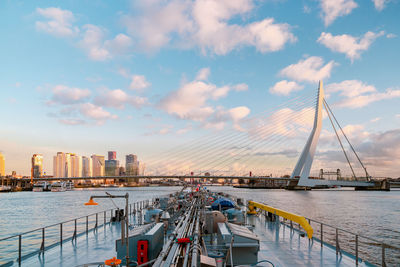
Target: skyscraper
62,165
98,165
112,155
37,166
131,165
112,167
87,169
76,166
2,165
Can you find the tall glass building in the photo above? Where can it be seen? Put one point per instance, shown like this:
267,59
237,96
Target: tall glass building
2,165
37,166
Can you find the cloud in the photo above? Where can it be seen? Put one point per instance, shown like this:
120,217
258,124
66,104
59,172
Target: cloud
98,48
72,121
203,74
241,87
285,87
376,119
358,94
331,9
94,112
364,100
350,88
190,101
139,83
66,95
391,35
59,22
118,99
349,45
284,122
311,69
188,24
380,4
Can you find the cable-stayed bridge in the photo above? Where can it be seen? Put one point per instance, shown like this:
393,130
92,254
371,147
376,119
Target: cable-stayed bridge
259,146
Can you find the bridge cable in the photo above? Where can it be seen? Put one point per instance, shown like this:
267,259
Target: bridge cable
345,154
348,141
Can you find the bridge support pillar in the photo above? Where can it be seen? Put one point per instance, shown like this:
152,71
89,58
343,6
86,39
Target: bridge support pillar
383,185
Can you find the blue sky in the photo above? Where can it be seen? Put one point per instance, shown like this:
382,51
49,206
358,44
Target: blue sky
144,76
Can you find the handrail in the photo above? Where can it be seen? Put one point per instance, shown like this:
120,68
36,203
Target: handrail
287,215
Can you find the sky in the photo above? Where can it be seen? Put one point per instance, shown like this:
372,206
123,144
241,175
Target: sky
144,77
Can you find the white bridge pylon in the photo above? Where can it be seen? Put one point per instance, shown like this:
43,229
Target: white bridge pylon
303,165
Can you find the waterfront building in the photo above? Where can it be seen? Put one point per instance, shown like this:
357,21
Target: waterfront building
112,167
2,165
87,168
98,165
62,165
131,165
112,155
76,165
37,166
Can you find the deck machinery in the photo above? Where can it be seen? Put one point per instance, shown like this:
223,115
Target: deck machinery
184,230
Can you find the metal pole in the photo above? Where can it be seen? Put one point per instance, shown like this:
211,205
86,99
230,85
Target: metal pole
127,228
322,235
105,215
42,246
383,255
96,220
356,250
87,225
337,242
19,249
61,232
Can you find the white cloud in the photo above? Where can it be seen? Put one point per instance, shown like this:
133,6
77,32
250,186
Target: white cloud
139,83
364,100
241,87
190,101
397,115
66,95
376,119
391,35
311,69
349,45
204,23
350,88
285,87
358,94
331,9
71,121
380,4
59,22
118,98
94,112
99,49
203,74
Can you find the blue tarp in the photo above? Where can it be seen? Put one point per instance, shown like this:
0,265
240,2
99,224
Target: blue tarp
225,203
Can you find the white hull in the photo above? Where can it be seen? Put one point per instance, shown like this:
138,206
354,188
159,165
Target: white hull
58,189
37,189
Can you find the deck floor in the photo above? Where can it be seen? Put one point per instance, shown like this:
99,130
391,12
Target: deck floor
284,246
278,244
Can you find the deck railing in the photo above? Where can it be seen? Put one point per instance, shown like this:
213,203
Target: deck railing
361,247
18,247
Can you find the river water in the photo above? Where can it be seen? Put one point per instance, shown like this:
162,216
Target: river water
369,213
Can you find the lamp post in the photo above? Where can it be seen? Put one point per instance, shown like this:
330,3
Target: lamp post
125,220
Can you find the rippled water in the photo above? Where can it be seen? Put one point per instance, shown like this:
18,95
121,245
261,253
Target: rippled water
370,213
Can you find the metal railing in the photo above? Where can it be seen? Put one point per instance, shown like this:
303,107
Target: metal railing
18,247
344,241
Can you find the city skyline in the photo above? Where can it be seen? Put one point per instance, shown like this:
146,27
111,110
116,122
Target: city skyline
147,76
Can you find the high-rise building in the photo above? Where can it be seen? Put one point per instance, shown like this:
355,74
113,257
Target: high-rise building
98,165
112,167
37,166
87,169
112,155
76,166
62,165
2,165
131,165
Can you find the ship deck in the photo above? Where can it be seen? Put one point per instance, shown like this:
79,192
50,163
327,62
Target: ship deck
279,244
